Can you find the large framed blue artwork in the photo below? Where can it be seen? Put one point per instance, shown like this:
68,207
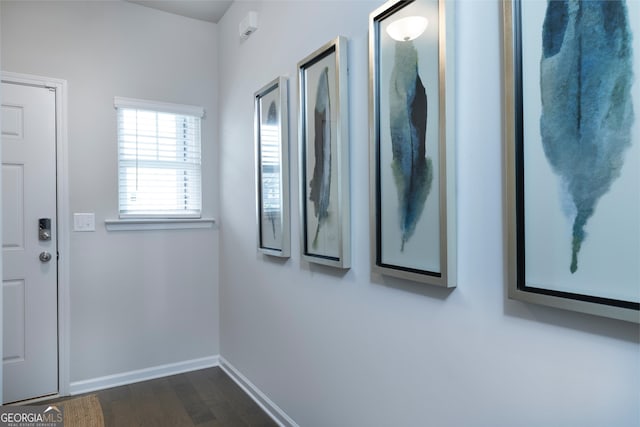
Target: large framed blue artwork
412,148
573,154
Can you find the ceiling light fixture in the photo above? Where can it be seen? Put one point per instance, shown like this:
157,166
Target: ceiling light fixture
409,28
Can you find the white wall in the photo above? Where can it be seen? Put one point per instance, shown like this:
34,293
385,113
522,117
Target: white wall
335,349
144,298
1,301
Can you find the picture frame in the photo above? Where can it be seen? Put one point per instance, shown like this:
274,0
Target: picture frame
412,141
325,221
572,156
271,132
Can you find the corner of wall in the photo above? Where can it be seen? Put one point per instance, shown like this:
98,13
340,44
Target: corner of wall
1,303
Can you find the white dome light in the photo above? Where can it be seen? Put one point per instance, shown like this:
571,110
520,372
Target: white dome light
408,28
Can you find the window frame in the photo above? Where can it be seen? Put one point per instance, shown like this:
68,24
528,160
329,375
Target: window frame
158,108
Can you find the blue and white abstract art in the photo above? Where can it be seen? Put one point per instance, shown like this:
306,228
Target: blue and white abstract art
581,154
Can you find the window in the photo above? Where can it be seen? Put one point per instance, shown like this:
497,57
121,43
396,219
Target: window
159,161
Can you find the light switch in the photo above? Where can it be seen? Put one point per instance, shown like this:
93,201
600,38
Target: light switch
84,222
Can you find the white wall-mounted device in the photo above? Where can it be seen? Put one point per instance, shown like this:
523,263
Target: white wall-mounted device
248,25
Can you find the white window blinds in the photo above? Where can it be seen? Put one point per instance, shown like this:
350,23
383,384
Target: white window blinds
159,159
270,162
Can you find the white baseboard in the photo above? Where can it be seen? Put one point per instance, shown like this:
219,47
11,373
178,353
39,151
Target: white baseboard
278,415
124,378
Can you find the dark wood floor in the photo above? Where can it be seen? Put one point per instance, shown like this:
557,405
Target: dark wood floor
205,398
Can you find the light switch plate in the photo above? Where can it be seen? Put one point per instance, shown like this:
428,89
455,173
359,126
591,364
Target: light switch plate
84,222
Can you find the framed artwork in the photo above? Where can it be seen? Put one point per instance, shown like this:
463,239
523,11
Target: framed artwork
412,164
324,156
573,155
271,126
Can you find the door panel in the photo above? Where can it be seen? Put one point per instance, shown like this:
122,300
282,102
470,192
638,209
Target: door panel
12,121
14,313
30,316
12,207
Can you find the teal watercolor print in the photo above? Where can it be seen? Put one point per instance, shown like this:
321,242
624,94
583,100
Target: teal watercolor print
412,170
320,185
585,80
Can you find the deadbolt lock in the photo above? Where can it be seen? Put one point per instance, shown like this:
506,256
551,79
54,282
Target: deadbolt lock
44,229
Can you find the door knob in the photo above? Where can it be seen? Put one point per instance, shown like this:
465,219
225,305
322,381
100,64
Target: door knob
45,256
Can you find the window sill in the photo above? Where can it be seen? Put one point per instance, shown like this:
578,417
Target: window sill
157,224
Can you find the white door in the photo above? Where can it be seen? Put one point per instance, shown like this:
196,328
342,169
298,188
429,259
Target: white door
29,281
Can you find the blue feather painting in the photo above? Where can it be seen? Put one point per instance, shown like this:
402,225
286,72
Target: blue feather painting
324,156
320,185
410,90
270,171
412,170
587,114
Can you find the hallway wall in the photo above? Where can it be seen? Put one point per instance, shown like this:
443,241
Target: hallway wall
352,349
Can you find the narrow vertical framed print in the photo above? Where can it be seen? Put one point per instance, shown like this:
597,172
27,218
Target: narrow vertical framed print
324,156
272,168
572,154
412,148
